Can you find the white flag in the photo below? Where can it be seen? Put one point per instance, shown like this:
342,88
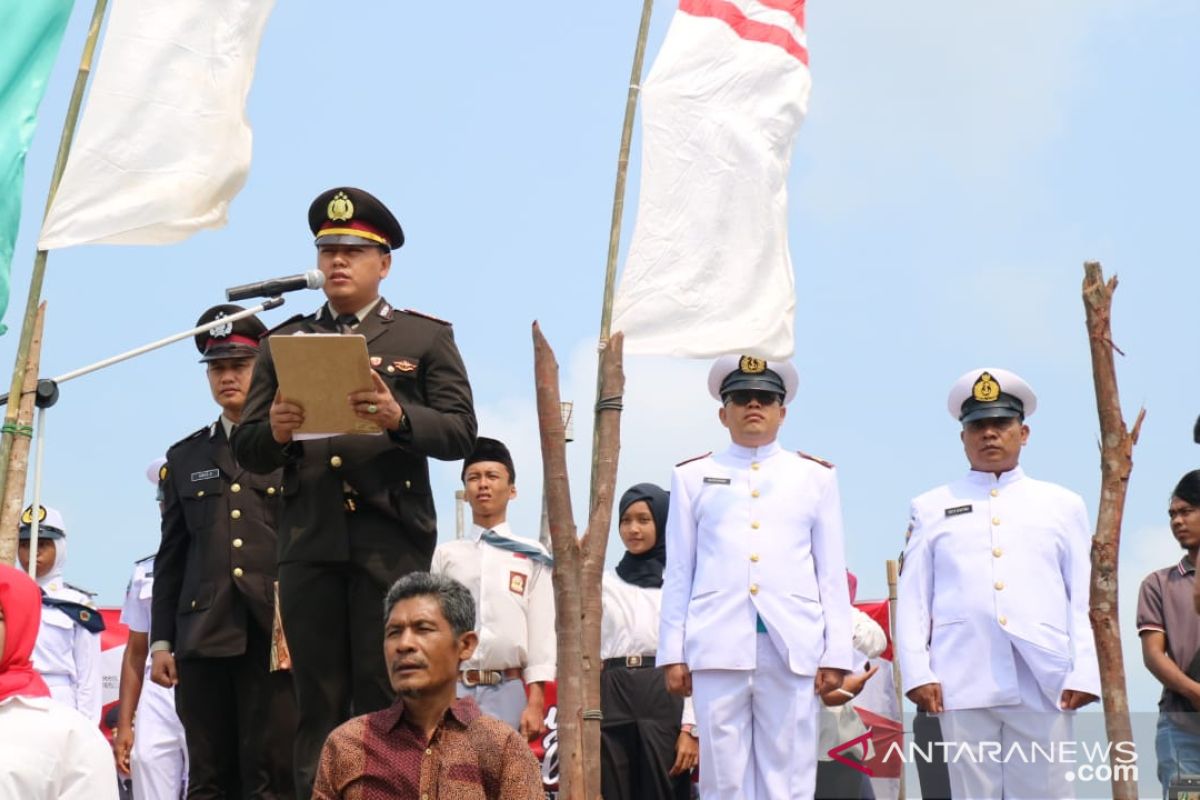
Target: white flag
708,270
163,143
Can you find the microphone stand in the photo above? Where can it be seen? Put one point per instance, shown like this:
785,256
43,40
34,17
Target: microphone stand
266,305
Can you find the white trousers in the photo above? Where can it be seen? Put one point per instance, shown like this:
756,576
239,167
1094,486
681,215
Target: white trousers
1018,769
504,701
758,730
158,764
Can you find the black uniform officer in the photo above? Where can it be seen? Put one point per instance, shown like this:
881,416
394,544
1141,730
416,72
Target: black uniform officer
357,510
214,590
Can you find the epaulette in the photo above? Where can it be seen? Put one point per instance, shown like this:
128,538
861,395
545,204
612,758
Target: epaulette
286,322
423,315
80,590
187,438
87,618
144,559
694,458
821,461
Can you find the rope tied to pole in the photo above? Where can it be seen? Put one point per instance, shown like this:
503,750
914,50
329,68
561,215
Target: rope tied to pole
610,403
17,430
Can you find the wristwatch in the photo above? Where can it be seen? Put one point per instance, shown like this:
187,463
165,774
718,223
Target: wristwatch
690,730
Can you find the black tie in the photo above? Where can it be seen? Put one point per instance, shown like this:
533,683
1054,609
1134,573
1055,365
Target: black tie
346,322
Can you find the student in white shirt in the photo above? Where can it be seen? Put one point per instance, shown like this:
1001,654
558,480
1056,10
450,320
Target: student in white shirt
648,737
509,577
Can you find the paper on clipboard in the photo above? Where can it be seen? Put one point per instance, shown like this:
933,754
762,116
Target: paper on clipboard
317,371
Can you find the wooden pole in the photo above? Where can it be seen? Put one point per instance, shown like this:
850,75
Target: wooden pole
39,261
578,564
1116,463
14,490
614,232
893,578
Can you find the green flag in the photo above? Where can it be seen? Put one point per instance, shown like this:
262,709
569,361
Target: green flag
32,33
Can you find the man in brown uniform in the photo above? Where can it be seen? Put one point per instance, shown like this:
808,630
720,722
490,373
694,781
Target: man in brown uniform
357,510
214,595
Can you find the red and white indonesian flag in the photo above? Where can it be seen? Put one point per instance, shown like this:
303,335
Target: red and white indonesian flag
879,709
163,143
708,270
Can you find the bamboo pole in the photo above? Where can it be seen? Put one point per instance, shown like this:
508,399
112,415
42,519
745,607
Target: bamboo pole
39,260
1116,463
893,578
614,233
14,490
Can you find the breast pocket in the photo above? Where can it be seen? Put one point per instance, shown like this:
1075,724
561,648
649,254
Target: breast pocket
400,373
200,500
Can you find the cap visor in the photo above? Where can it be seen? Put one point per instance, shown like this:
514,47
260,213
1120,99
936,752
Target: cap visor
753,384
347,240
229,351
993,412
43,533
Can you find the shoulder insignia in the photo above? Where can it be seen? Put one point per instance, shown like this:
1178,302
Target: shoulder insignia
821,461
694,458
146,558
423,315
80,590
87,618
193,435
286,322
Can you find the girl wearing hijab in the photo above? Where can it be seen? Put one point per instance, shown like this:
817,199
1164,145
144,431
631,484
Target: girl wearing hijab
648,737
47,751
67,653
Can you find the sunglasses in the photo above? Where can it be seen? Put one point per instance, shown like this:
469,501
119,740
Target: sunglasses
743,397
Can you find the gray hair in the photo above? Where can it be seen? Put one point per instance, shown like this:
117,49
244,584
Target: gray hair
458,607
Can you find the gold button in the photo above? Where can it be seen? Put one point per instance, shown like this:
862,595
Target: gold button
754,557
754,525
237,487
408,484
270,490
995,520
754,465
1003,620
237,572
999,585
391,368
995,492
754,588
997,552
193,604
429,751
236,514
754,493
237,542
335,461
200,493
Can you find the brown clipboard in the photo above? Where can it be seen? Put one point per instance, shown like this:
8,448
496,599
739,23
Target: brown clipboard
317,372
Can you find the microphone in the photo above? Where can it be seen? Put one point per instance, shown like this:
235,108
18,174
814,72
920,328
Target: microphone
313,279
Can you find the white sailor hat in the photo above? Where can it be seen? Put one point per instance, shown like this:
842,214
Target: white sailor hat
989,392
154,470
734,372
50,523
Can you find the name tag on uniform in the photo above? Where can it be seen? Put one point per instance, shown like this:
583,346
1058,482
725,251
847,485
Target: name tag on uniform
958,511
722,481
206,474
516,583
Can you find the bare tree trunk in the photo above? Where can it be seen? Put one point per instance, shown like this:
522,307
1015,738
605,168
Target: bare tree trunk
1116,462
893,579
18,457
578,565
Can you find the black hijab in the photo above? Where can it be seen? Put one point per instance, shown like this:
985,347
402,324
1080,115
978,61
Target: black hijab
646,570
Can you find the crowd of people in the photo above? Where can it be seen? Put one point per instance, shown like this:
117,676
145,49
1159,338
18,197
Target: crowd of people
298,633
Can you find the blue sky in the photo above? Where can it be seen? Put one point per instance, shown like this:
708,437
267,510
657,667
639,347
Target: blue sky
959,163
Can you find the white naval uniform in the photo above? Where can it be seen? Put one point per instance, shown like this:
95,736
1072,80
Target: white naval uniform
514,616
629,625
755,533
993,605
50,752
158,763
66,655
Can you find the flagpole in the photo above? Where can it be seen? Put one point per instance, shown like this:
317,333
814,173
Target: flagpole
39,262
614,235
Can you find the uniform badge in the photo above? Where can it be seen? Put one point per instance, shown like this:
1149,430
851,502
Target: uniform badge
516,583
205,475
84,616
376,361
722,481
27,517
404,365
162,472
751,365
958,511
986,390
220,331
340,208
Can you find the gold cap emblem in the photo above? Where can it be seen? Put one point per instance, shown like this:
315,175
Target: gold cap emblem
751,365
340,208
986,390
27,517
